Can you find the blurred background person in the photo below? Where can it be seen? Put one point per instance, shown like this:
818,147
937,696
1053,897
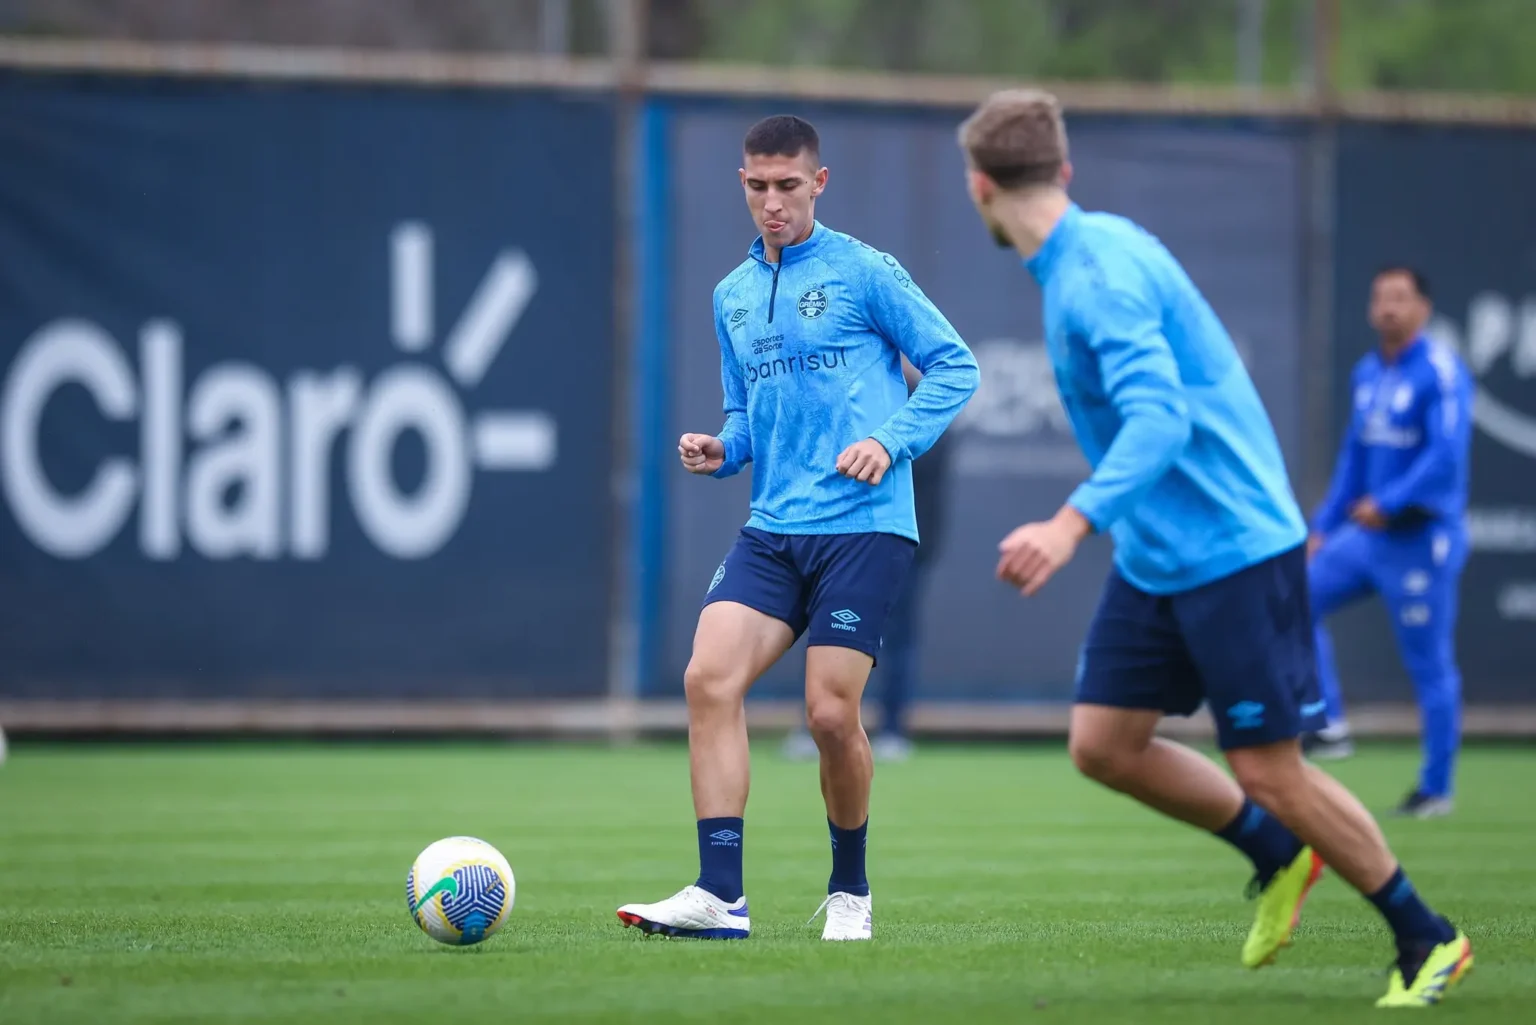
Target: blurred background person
1393,523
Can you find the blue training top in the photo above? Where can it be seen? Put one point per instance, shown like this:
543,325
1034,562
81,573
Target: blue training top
1409,440
1187,473
810,361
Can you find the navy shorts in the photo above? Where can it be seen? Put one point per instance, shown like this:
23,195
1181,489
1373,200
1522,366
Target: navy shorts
1243,644
835,588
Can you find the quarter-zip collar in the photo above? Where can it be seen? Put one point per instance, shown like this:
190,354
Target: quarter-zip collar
814,241
789,254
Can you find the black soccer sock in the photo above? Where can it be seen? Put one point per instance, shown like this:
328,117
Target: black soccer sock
1412,922
720,858
1264,838
848,860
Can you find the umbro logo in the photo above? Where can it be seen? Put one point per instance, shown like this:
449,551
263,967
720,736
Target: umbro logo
738,317
725,838
1246,715
843,619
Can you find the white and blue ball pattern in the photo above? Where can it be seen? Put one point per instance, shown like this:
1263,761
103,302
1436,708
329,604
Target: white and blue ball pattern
460,890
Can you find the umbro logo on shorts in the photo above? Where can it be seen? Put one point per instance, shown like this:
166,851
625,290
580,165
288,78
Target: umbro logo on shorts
1246,715
844,620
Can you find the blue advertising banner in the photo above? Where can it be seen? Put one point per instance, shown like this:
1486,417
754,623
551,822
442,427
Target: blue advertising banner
303,390
1458,204
1226,198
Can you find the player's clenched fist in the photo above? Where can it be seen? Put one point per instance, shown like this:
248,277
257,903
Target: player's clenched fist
1033,553
701,453
865,461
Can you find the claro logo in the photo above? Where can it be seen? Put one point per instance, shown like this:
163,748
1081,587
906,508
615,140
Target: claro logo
240,463
1499,329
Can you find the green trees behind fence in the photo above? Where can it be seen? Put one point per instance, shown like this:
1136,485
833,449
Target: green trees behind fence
1461,45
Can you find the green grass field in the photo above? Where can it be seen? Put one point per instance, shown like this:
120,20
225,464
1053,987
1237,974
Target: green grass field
265,884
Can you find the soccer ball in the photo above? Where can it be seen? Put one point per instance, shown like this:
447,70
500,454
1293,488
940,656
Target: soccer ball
460,890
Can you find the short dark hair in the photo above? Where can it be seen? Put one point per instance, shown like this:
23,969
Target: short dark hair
1420,281
782,135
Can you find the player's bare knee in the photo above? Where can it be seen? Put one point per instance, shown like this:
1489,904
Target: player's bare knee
1107,744
1099,760
1273,777
831,718
707,683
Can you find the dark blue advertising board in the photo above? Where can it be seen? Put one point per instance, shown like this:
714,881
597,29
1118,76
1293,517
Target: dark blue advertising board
304,390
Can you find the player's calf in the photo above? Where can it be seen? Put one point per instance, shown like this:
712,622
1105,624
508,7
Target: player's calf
1318,809
732,647
834,685
1117,748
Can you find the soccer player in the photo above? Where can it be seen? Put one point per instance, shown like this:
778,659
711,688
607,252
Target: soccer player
1208,597
1392,522
812,327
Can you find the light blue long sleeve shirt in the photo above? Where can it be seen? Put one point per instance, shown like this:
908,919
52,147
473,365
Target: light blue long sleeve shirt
1188,478
810,363
1409,440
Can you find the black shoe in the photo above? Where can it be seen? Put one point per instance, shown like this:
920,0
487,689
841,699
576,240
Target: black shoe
1330,744
1420,805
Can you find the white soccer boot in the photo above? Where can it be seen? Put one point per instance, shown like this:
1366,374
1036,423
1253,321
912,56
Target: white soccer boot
692,913
849,917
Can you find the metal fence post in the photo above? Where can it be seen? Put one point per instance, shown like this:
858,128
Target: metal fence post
627,24
1317,385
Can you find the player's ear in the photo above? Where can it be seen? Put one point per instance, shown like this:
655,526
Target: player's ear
821,183
1065,177
982,187
742,171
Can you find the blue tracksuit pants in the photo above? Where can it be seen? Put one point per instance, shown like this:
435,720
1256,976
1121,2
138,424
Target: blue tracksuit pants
1416,572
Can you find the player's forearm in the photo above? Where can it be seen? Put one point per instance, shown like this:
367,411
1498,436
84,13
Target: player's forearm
1424,484
1151,438
1334,509
737,439
942,393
